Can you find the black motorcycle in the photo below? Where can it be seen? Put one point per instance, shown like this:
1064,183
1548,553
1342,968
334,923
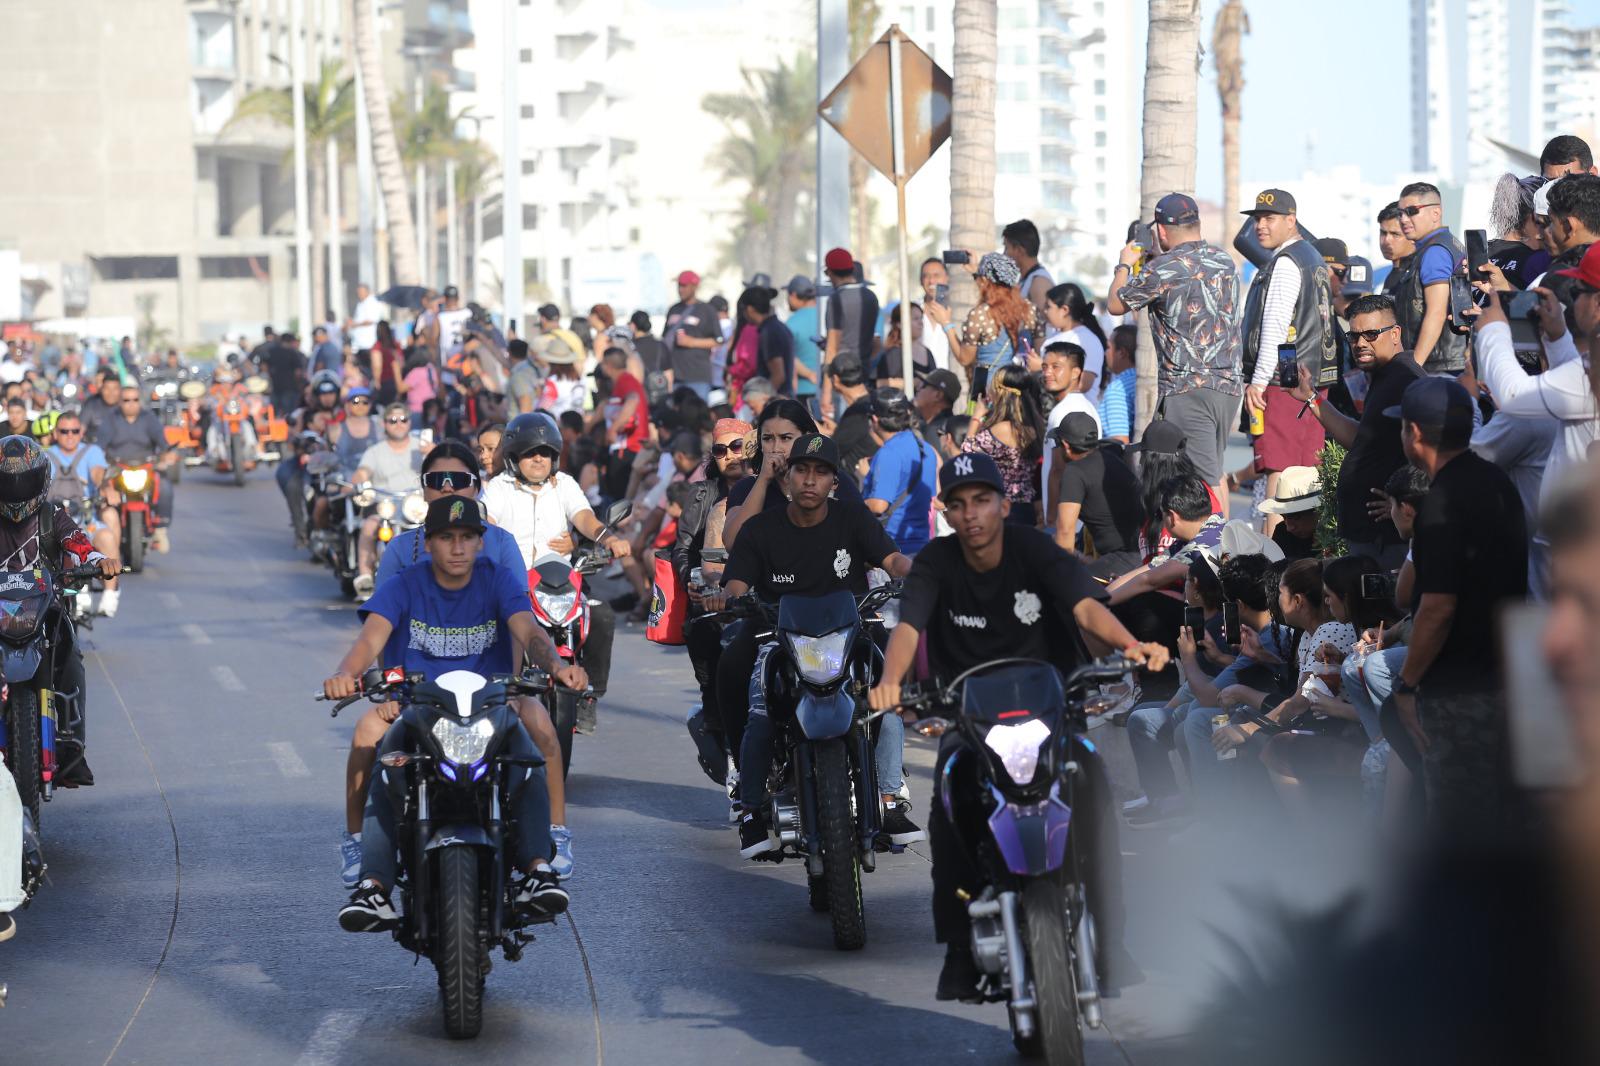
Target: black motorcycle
452,790
1033,935
825,807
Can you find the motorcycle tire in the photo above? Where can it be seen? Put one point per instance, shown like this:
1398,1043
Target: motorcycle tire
23,754
237,458
134,535
175,475
1058,1030
564,716
458,953
841,864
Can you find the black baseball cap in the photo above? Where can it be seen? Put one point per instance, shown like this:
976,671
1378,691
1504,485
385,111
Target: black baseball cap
1161,436
846,369
1333,250
1272,202
451,292
944,381
1176,209
1442,403
816,447
1078,431
969,468
453,512
801,286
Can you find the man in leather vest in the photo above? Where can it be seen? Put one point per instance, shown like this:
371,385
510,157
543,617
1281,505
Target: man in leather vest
1574,224
1422,294
1393,246
1296,295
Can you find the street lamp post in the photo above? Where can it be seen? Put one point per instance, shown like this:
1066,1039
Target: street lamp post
511,177
302,230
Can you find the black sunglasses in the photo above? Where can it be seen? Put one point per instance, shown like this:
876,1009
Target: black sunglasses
448,480
360,399
399,420
1370,335
531,452
1416,209
719,451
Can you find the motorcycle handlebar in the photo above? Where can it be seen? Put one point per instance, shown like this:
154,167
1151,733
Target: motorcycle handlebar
917,694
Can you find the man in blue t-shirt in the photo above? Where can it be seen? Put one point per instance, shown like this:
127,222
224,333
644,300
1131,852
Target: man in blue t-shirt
806,329
902,477
459,612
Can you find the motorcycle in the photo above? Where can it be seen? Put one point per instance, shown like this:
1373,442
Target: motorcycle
32,706
271,426
231,449
178,405
397,512
1033,935
560,606
452,788
139,485
825,807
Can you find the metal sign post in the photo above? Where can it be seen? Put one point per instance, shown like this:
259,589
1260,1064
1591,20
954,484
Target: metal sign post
897,127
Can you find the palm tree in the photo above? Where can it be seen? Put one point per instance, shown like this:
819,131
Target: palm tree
1229,26
863,21
1171,83
330,116
972,137
428,136
769,151
385,150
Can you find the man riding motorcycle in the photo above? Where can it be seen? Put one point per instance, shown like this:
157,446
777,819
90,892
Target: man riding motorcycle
413,622
78,472
290,473
392,465
542,507
135,435
226,385
33,533
811,547
995,590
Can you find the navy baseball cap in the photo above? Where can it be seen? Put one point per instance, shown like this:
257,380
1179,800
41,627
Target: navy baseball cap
1435,402
1176,209
969,468
1357,277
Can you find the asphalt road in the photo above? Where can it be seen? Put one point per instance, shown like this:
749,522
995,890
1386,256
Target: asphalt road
190,912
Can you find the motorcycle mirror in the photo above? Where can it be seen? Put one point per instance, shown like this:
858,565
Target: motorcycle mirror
618,511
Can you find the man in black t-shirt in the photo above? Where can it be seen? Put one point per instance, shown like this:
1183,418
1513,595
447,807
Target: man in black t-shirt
1102,491
774,343
692,329
853,432
812,547
995,590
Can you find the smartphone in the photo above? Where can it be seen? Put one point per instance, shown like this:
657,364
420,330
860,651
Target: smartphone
941,295
1288,367
1195,619
1522,312
1377,587
1230,624
1477,242
955,256
980,383
1462,296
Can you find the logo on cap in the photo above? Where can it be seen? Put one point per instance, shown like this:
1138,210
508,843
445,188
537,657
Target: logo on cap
1266,198
963,466
457,509
814,446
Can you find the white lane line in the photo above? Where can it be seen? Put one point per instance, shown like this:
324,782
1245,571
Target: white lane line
169,600
195,634
328,1040
289,762
227,679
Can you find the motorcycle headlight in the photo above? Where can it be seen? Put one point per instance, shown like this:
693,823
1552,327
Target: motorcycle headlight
1018,747
231,407
165,389
134,480
557,605
365,497
820,659
20,618
415,509
385,508
463,744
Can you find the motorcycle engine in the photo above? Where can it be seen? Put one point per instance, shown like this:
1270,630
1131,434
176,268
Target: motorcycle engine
989,944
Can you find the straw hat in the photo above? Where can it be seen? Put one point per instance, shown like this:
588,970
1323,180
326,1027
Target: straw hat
1299,489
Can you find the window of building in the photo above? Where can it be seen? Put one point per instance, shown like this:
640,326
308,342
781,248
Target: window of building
1100,139
1012,163
1099,86
233,266
530,166
136,268
211,41
1100,113
525,56
1014,18
527,110
530,216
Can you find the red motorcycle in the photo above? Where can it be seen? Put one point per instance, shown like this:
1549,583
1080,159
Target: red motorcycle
139,487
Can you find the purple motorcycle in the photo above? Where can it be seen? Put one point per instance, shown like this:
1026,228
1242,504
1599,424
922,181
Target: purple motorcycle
1033,933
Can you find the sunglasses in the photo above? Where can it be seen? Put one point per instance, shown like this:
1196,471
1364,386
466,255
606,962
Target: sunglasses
448,480
1415,209
399,420
533,452
1370,335
362,400
67,432
719,451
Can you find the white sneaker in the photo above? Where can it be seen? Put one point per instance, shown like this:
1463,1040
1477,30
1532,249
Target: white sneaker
108,602
363,587
158,541
1138,803
735,811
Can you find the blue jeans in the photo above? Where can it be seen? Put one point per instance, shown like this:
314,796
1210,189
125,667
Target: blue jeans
1151,729
1368,685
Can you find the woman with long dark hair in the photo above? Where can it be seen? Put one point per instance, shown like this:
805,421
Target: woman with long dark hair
1009,428
387,359
1071,314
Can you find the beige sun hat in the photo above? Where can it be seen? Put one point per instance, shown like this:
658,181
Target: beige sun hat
1299,489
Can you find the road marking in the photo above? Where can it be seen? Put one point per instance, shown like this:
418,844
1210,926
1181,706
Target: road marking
195,634
328,1040
226,678
289,762
169,600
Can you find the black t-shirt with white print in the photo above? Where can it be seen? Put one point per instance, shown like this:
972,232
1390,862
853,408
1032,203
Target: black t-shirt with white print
1020,609
777,558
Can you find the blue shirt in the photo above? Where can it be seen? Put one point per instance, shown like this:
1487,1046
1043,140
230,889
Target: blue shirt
1116,405
437,630
1277,639
893,468
409,548
1437,264
804,325
88,457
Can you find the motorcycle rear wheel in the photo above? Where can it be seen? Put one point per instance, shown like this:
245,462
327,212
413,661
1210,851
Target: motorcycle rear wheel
22,747
1058,1030
134,535
458,954
841,864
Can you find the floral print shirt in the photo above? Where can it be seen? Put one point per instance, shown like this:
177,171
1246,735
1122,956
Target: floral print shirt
995,346
1015,469
1193,293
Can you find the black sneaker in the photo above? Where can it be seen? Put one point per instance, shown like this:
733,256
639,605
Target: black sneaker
900,829
540,894
754,837
958,979
369,910
74,772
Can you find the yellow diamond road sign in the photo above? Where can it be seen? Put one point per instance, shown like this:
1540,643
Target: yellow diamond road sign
859,106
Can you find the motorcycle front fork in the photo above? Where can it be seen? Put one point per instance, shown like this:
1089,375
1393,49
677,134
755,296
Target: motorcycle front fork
999,913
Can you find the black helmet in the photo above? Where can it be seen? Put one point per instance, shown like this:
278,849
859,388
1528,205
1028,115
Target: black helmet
528,432
24,476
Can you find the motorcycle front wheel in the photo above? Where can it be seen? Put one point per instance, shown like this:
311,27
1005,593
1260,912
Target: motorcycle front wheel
23,753
841,864
457,952
1058,1030
237,457
133,534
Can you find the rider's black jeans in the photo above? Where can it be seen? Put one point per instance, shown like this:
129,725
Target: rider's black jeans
734,668
1094,840
703,641
292,482
597,646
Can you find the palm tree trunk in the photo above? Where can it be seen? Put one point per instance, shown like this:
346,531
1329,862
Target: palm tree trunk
1171,83
318,174
385,148
972,140
1231,23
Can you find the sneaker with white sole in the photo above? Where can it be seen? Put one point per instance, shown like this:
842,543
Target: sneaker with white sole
754,837
158,541
898,827
363,585
108,602
350,859
561,837
369,910
540,893
1138,803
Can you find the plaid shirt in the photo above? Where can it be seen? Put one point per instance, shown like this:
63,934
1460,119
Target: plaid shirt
1193,293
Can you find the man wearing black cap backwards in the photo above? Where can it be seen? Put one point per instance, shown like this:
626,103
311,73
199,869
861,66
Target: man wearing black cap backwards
1470,552
995,590
1101,490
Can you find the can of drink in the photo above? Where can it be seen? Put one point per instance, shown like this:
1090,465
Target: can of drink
1217,722
1258,421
